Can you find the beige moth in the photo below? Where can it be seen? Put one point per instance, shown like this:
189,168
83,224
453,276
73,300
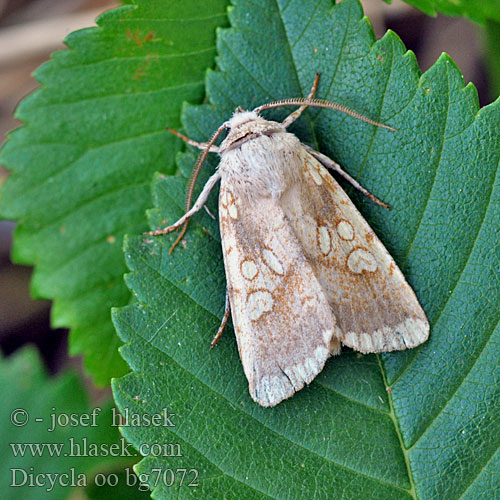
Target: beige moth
305,272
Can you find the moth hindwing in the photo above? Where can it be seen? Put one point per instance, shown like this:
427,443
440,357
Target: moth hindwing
305,273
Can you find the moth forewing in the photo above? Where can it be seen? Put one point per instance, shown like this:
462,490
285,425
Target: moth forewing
304,270
376,309
284,325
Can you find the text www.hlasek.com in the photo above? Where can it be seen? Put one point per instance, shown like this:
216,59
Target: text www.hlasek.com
84,448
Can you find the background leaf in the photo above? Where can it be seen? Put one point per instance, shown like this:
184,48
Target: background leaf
82,164
26,386
436,434
492,55
477,10
123,489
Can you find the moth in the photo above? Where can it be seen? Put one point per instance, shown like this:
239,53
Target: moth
305,272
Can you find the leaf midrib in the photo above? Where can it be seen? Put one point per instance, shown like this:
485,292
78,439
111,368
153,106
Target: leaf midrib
392,415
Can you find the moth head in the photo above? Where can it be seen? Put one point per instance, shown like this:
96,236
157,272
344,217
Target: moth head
245,126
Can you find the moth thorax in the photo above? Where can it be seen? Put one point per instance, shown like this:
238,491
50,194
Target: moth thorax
265,165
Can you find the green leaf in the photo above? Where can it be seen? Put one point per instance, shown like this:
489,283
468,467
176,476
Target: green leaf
82,164
477,10
121,485
492,55
27,388
418,424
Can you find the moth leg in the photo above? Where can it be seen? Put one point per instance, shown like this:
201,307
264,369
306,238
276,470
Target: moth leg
209,213
199,145
225,318
329,163
202,199
293,116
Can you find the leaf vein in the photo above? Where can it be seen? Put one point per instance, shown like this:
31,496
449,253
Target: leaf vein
462,382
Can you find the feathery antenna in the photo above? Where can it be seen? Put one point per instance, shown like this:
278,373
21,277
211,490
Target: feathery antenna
320,103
